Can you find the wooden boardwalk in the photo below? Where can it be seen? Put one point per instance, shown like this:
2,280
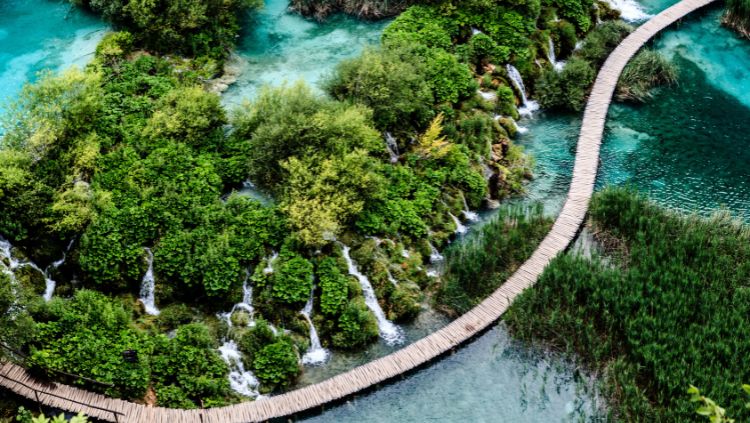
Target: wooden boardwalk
426,349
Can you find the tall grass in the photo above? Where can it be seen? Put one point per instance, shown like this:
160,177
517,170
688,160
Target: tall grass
737,16
674,311
647,70
478,265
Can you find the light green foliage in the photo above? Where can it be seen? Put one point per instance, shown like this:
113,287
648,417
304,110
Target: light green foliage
421,25
394,88
25,416
115,46
334,286
566,89
277,363
674,291
356,326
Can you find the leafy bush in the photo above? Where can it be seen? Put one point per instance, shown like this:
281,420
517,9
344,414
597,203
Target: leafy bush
292,280
356,326
566,89
334,287
277,363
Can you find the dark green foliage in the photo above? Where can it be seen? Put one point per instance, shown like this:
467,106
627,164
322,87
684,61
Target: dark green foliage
334,286
189,366
191,27
566,89
477,266
255,338
356,326
647,70
575,11
602,40
277,363
672,311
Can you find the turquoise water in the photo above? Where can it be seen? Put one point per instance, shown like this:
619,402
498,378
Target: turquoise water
278,46
42,34
493,379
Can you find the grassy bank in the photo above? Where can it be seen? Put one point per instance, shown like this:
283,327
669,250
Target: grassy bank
669,310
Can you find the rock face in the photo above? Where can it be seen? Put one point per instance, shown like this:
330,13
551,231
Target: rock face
364,9
233,68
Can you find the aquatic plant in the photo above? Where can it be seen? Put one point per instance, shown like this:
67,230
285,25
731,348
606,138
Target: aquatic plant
645,71
669,308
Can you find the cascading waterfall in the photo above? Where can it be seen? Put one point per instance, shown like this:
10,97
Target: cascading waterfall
558,66
50,283
468,214
392,146
461,229
316,354
527,106
246,304
241,380
435,256
269,264
148,286
5,254
391,333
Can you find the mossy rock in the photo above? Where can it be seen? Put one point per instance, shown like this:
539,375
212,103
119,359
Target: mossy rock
405,301
31,279
509,125
356,326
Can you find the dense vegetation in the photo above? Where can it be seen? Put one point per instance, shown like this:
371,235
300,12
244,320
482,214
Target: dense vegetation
369,9
131,163
189,27
668,309
476,267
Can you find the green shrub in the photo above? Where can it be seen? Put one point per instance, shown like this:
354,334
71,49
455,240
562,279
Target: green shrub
255,338
566,89
292,280
356,326
602,40
277,363
334,291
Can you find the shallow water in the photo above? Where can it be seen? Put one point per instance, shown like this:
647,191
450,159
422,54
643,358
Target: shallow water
278,46
42,34
491,379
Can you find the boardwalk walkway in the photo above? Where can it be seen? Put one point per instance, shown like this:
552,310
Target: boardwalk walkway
486,313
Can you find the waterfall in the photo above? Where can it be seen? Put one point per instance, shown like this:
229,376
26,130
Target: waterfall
488,95
269,264
148,286
475,31
435,256
246,304
630,10
405,253
241,380
50,283
391,279
392,146
391,334
461,229
468,214
558,66
316,354
527,106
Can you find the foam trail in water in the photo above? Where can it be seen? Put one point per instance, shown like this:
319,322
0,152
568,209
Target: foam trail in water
527,106
148,286
391,333
316,354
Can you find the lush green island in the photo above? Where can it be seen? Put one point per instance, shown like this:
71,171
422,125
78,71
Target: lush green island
123,184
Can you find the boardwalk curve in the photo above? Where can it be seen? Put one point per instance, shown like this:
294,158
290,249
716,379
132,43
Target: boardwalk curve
18,380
